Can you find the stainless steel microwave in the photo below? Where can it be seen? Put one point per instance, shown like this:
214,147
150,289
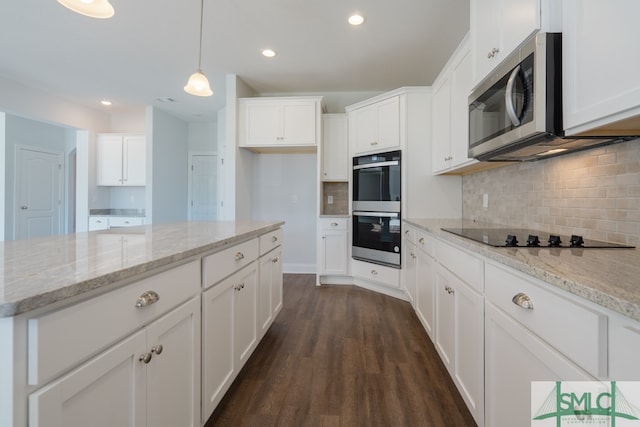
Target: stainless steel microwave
515,114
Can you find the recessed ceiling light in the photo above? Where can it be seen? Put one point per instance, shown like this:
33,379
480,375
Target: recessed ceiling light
269,53
356,19
106,102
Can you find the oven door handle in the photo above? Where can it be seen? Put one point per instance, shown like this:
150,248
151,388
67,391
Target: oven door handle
376,214
377,165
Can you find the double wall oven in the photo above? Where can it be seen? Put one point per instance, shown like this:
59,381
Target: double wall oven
376,208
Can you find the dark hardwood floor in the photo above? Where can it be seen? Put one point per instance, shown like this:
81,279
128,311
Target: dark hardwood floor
342,356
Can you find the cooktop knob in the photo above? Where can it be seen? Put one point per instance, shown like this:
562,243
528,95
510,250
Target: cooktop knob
576,241
511,240
554,241
533,240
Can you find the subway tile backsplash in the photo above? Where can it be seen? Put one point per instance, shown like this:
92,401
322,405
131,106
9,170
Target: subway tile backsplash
594,193
340,193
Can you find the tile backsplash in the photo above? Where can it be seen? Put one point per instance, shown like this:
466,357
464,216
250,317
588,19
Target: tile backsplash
340,193
594,193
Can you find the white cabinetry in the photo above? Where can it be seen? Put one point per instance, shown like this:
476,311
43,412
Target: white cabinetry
458,329
425,282
333,246
498,27
279,122
335,148
270,283
451,113
376,274
375,127
152,377
121,160
106,222
596,93
408,273
624,347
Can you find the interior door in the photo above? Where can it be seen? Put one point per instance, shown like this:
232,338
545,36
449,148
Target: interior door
203,186
38,181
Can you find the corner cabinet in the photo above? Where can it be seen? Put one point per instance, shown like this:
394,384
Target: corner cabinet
598,94
498,27
451,113
287,122
375,127
121,160
335,148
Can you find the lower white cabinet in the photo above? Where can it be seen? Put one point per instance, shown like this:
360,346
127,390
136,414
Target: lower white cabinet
514,357
270,289
624,348
425,291
150,378
458,337
229,332
106,222
333,246
409,270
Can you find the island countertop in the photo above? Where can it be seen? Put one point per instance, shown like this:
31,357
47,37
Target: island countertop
608,277
43,271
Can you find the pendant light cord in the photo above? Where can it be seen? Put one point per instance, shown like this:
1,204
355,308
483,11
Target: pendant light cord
200,51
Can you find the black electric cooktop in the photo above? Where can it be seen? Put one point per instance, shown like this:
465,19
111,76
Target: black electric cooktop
519,237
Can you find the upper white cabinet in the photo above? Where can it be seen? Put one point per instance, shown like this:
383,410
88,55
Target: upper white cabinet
121,160
498,27
451,113
279,122
335,148
601,65
375,127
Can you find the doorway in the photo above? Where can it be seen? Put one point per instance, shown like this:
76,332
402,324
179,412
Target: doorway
38,190
202,186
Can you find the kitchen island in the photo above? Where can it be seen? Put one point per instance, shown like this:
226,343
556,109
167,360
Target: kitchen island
89,322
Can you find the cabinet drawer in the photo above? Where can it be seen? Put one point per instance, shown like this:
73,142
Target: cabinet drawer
224,263
124,221
333,223
577,331
61,339
409,233
377,273
466,266
270,240
98,223
425,242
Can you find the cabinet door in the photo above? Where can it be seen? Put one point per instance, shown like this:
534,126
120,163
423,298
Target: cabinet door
441,129
425,289
245,315
217,343
363,128
445,303
624,348
459,119
597,34
134,161
98,223
333,252
265,314
115,376
335,148
520,19
409,271
388,114
514,357
298,123
276,282
262,123
109,158
173,379
486,38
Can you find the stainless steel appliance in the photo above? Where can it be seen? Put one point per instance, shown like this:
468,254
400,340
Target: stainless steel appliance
515,114
376,208
516,237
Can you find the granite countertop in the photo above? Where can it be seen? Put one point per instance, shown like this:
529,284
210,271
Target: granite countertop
608,277
38,272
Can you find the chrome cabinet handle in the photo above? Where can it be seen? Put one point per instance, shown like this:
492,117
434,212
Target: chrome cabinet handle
449,290
24,208
374,272
146,358
239,287
334,224
275,260
523,300
239,256
374,143
421,240
274,239
157,349
147,298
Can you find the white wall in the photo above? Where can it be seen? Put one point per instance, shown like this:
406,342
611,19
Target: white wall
203,137
168,143
284,189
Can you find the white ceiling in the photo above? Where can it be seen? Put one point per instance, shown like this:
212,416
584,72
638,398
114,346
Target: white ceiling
150,47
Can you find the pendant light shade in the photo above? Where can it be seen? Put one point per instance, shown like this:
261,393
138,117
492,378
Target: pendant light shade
198,84
101,9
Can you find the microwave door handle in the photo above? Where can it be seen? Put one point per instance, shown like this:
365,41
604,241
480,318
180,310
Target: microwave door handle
508,97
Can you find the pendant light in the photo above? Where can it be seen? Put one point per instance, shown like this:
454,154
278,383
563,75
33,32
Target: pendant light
198,84
94,8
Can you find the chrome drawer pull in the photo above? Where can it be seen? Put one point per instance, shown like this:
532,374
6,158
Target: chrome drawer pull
147,298
374,273
334,224
239,256
275,260
146,358
274,239
157,349
449,290
523,300
421,240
